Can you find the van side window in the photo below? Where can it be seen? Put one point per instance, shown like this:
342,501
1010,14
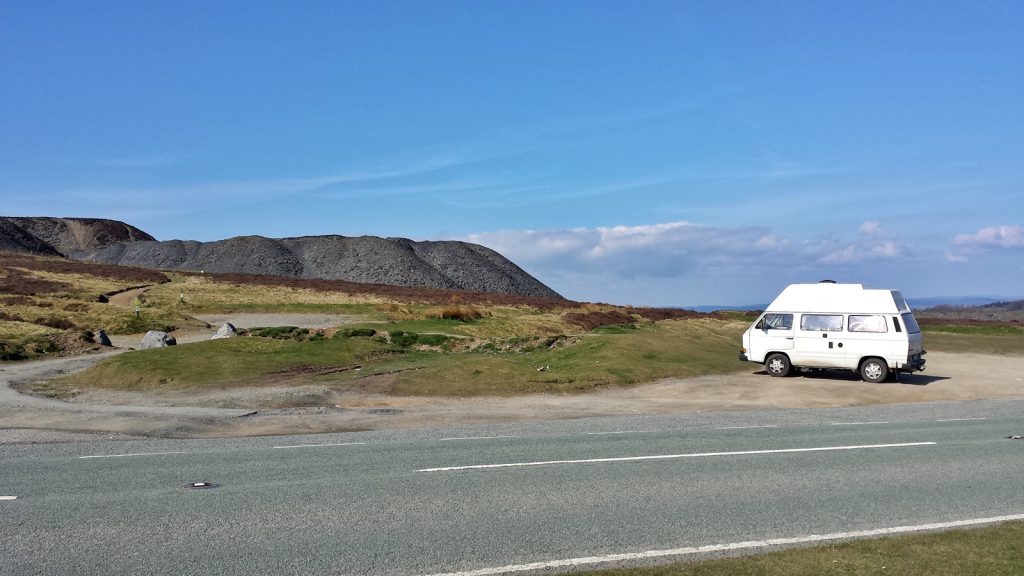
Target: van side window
896,323
822,322
867,323
776,322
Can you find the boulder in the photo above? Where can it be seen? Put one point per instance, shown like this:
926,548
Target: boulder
102,338
225,331
157,339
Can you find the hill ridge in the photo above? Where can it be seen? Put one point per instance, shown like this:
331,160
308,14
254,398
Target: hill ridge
398,261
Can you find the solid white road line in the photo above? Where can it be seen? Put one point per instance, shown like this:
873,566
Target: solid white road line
674,456
321,445
750,544
127,455
856,423
475,438
8,497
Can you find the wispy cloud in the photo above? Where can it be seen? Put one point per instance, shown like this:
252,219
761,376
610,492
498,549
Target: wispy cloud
677,248
992,237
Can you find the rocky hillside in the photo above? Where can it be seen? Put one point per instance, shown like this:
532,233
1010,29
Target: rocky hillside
59,236
365,259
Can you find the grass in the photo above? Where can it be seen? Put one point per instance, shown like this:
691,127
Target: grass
983,329
557,364
973,343
989,551
224,363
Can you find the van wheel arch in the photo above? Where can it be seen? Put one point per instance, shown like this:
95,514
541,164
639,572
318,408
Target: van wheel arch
778,364
873,369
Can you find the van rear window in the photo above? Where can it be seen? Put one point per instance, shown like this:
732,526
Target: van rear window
910,322
822,322
867,323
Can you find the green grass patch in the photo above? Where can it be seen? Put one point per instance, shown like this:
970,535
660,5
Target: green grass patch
227,362
434,325
997,330
974,343
678,348
554,364
990,551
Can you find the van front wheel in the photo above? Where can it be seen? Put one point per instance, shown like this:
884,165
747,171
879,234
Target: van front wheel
777,365
874,370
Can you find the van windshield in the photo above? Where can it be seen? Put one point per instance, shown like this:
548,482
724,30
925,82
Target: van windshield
910,322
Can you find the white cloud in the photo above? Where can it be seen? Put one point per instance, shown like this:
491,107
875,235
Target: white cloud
675,249
870,227
992,236
956,258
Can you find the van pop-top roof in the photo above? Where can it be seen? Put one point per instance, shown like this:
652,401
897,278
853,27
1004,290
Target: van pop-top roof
830,298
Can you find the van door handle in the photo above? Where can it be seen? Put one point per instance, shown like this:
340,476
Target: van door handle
789,337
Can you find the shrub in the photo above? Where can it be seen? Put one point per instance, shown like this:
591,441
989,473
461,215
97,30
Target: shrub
281,332
460,313
403,339
355,333
55,322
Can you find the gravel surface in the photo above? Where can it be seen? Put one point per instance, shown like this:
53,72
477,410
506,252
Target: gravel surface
267,320
311,409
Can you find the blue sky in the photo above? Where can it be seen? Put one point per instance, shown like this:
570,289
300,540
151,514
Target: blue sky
655,153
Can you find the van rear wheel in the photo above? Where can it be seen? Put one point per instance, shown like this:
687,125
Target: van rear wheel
777,365
874,370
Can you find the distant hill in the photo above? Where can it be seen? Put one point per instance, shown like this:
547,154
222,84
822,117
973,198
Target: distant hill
365,259
48,236
923,303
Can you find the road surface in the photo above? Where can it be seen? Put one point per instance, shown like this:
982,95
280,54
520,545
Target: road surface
505,498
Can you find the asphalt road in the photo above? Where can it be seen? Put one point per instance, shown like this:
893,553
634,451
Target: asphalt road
424,502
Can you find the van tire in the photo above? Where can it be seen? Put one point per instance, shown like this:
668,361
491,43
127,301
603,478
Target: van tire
777,365
874,370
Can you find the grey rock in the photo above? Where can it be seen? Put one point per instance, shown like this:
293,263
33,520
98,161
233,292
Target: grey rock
48,236
157,339
225,331
102,338
364,259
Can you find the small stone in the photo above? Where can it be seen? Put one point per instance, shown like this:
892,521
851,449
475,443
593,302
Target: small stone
225,331
157,339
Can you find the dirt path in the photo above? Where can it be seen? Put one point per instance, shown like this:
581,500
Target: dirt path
127,298
229,412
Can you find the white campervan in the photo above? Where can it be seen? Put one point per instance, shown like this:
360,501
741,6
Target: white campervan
829,325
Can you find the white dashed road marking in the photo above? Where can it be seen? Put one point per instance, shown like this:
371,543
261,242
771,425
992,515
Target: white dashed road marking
750,544
959,419
128,455
322,445
856,423
475,438
674,456
8,497
747,427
